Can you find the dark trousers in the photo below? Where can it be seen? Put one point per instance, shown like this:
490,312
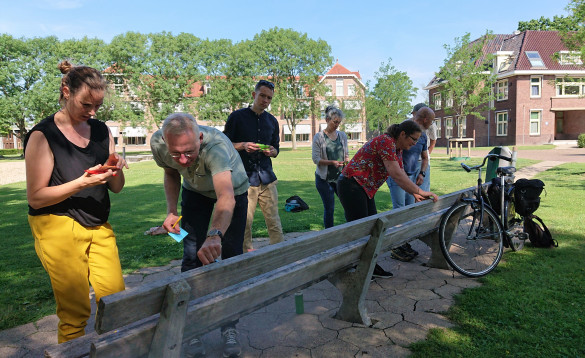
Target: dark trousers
354,199
196,210
327,190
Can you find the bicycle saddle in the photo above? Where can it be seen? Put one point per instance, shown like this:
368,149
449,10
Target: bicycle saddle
506,170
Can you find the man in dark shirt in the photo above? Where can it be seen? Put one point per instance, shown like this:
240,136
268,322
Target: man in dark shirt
255,135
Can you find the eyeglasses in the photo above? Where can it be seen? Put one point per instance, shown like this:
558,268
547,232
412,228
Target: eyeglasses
414,140
187,155
336,122
266,83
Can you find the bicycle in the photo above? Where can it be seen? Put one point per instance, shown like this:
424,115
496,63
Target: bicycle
472,234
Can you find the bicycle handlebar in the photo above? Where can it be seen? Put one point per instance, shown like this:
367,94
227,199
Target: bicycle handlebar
489,156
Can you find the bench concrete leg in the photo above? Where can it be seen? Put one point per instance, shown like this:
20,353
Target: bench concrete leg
354,284
168,337
437,260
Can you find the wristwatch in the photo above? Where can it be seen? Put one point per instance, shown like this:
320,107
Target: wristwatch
215,232
423,174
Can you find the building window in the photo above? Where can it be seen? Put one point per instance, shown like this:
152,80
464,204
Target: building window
438,124
570,86
302,133
534,58
207,89
502,124
535,86
353,131
339,88
461,126
502,90
351,90
352,105
535,117
570,58
448,127
437,100
449,101
135,135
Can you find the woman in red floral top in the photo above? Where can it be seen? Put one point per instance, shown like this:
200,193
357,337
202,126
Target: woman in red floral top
368,170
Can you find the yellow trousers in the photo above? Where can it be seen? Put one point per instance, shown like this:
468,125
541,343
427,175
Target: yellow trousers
74,256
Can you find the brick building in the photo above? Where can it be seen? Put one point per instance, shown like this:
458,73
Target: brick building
540,94
346,90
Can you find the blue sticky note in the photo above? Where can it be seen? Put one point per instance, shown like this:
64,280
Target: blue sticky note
180,236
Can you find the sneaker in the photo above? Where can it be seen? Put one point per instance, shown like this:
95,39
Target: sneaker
409,250
195,349
231,346
379,272
400,254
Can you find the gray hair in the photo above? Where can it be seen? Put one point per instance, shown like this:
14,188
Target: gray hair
179,123
332,111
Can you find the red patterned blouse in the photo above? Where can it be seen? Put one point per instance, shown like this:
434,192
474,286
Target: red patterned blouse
367,165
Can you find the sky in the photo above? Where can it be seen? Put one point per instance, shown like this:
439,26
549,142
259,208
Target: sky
362,34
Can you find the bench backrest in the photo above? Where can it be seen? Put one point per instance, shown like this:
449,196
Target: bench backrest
232,288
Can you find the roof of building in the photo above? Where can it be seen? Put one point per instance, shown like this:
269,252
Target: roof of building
545,43
338,69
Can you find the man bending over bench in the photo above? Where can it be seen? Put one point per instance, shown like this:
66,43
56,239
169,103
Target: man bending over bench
213,176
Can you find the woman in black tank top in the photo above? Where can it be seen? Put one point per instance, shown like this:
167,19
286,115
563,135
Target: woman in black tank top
71,164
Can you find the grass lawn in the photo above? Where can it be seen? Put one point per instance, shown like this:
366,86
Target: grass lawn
532,305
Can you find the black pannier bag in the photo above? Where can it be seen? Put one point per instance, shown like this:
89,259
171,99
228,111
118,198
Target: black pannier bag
527,195
539,235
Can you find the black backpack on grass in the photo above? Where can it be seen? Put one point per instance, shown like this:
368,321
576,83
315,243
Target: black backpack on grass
538,235
295,204
527,195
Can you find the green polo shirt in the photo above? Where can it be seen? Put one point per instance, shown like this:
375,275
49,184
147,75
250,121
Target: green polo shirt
216,154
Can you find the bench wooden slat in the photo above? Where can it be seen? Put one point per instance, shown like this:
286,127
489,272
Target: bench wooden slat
213,310
117,310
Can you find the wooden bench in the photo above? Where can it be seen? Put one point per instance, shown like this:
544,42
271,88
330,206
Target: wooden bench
153,320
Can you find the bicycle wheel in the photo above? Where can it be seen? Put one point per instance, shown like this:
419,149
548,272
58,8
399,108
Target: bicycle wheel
514,227
471,243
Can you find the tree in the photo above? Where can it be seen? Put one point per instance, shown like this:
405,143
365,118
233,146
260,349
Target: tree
159,69
574,38
558,23
29,81
228,79
467,78
294,62
389,100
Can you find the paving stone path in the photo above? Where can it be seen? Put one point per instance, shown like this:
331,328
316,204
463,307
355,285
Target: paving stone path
403,308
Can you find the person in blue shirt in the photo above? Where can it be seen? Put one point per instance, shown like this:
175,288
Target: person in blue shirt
415,161
255,134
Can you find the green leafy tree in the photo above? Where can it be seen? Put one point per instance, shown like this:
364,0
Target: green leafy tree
29,81
574,38
159,70
294,62
467,77
389,100
558,23
228,79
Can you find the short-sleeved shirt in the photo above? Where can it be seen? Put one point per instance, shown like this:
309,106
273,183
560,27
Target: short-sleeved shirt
367,165
216,154
431,133
412,155
245,125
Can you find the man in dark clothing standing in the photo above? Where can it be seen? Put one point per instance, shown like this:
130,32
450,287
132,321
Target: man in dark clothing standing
255,135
